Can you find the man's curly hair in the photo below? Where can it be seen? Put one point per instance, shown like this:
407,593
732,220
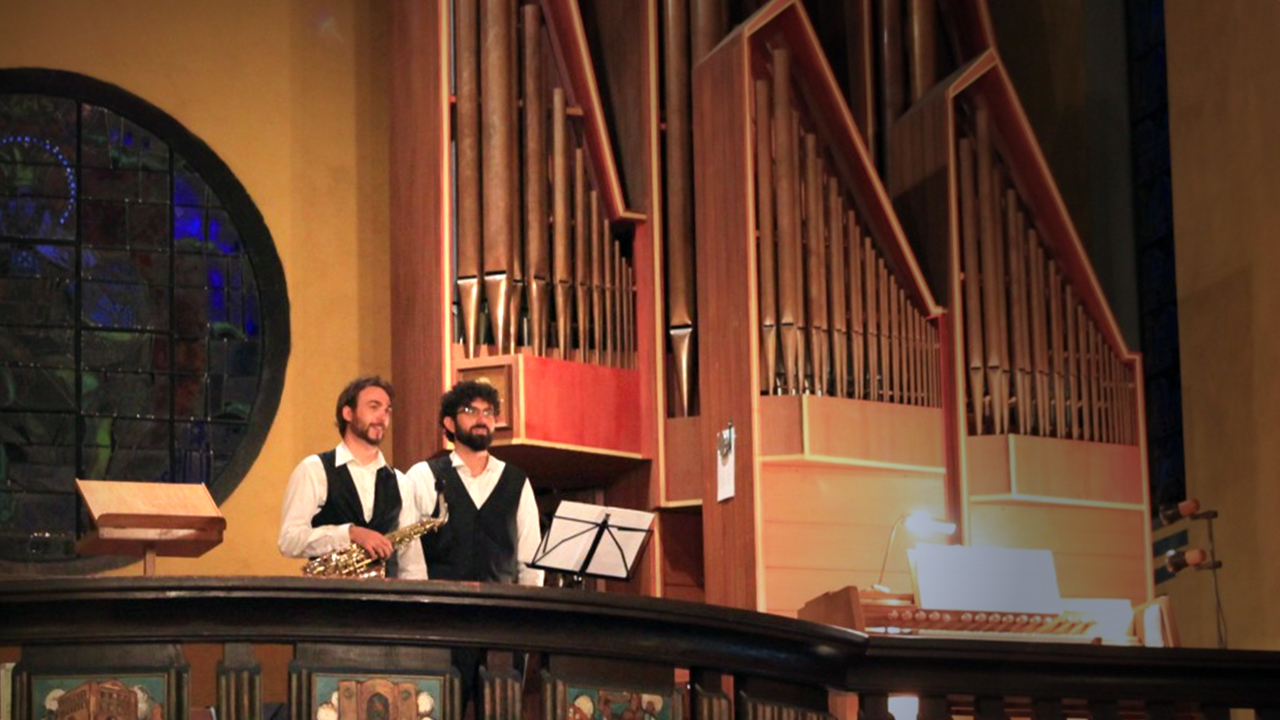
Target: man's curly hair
461,395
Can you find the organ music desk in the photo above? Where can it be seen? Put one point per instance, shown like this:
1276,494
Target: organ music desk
964,592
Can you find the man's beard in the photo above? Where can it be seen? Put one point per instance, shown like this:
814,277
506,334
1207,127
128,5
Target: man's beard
477,442
362,432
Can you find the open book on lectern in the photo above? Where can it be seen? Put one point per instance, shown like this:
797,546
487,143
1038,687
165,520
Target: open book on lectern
593,540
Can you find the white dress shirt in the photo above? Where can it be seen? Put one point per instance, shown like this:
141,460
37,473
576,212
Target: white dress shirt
307,492
479,487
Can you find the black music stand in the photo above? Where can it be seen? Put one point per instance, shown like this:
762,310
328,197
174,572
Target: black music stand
593,540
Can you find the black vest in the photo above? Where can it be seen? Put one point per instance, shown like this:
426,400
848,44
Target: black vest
342,505
477,544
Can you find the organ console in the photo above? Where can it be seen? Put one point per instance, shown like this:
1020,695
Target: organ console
962,592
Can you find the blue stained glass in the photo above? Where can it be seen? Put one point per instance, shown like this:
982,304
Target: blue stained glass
188,228
194,460
24,263
188,187
107,312
59,256
245,359
125,305
252,318
37,217
112,316
235,309
222,232
217,306
187,193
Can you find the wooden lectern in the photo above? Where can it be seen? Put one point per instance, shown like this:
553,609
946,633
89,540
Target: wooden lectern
149,519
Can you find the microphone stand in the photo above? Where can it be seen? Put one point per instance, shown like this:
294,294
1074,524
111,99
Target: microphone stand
1220,618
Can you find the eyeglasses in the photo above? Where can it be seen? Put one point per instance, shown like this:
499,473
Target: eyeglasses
472,411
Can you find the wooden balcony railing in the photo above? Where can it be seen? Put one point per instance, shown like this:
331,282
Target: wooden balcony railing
602,656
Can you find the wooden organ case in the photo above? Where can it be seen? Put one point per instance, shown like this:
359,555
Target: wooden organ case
1046,408
874,280
965,363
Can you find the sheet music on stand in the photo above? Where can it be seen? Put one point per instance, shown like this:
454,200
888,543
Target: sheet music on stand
593,540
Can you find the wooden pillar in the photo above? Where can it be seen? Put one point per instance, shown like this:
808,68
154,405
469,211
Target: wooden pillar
421,272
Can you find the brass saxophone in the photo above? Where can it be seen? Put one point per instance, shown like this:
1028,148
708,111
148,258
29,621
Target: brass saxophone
354,562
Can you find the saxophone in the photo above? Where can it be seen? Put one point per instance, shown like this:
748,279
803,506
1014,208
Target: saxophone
354,562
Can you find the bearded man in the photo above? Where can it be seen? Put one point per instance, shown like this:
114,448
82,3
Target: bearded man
350,495
493,530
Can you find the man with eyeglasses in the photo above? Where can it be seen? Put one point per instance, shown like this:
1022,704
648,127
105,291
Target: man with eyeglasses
493,530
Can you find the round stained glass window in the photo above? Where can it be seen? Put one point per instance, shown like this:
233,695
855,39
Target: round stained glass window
143,312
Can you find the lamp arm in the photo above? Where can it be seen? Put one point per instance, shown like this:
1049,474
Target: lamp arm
893,533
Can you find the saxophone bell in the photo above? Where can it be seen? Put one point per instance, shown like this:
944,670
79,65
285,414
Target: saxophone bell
354,561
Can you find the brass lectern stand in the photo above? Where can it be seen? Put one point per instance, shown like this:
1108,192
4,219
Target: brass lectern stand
149,519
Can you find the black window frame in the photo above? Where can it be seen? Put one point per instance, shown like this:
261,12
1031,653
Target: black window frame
257,243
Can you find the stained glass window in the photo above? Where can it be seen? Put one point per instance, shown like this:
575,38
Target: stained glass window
134,271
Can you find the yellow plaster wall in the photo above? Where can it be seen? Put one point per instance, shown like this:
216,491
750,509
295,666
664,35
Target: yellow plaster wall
293,97
1224,108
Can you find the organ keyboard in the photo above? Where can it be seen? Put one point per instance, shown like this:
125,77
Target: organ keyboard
898,614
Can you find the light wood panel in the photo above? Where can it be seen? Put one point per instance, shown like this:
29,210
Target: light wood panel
827,527
1052,467
852,430
822,546
860,496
